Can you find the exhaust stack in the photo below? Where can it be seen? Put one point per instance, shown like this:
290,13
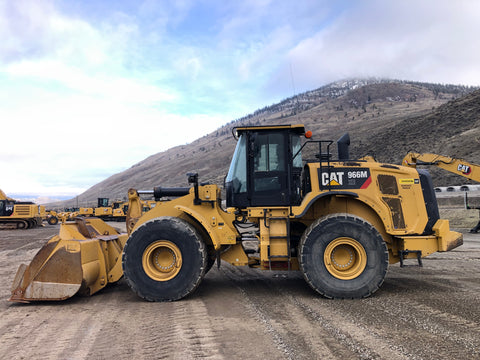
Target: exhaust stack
342,145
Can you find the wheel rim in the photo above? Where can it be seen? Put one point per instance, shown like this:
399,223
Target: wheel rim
345,258
162,260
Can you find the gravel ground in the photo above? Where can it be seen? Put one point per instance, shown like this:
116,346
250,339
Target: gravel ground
237,313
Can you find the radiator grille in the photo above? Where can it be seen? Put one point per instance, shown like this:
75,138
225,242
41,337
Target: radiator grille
22,210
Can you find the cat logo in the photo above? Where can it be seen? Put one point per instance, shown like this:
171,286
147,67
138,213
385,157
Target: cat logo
335,179
464,169
345,178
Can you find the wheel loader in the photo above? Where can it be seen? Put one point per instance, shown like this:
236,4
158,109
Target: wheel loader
52,217
337,220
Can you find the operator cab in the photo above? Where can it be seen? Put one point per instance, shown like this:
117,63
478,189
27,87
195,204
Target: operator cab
102,202
266,167
6,208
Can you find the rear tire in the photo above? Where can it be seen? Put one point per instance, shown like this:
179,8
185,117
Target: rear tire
164,259
342,256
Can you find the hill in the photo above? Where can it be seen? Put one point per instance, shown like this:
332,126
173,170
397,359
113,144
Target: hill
384,118
452,129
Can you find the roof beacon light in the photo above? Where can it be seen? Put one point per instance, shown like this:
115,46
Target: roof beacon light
308,134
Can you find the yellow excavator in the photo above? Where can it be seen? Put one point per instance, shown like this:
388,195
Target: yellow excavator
456,166
19,215
338,220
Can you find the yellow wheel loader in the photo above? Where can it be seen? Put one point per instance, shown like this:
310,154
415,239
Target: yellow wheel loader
52,217
340,221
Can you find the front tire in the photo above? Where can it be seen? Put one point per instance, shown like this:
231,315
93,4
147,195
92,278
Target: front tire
343,256
164,259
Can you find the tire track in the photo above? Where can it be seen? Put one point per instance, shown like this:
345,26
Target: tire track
315,333
343,330
163,331
414,324
259,313
98,333
48,333
363,341
347,324
431,318
200,338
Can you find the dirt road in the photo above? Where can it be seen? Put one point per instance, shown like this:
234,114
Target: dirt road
237,313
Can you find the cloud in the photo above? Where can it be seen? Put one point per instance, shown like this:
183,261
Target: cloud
426,41
35,30
108,86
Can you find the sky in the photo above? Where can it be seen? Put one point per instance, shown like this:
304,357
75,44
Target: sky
89,88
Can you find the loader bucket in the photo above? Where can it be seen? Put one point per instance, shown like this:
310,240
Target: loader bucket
83,258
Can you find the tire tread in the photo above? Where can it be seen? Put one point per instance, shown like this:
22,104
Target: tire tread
333,218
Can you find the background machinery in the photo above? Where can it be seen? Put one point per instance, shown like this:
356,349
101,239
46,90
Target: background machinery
456,166
339,221
116,211
19,215
459,167
103,210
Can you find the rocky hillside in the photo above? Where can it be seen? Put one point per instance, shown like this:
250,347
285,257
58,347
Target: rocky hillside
452,129
384,118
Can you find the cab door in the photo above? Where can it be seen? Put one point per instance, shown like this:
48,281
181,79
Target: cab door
268,165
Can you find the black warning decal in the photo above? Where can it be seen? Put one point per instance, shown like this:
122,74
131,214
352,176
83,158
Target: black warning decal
344,178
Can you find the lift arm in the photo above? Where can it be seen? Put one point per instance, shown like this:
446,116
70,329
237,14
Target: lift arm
455,166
